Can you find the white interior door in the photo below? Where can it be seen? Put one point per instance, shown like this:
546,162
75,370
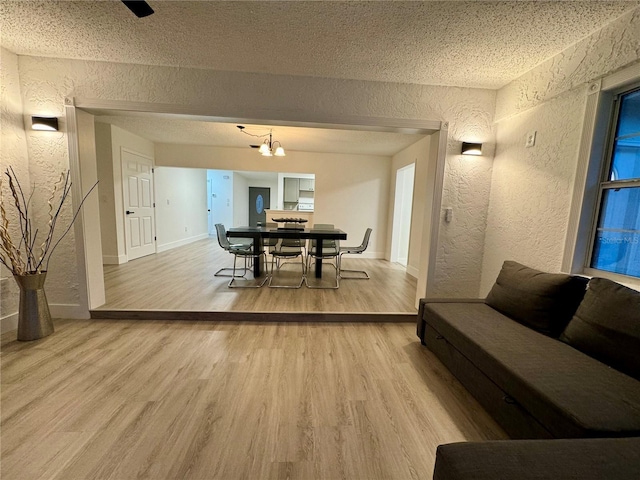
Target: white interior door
140,229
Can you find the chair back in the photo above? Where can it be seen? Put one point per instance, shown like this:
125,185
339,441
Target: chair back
223,241
326,244
292,242
270,242
365,241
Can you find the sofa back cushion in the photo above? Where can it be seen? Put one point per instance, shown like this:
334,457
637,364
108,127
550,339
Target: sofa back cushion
542,301
607,326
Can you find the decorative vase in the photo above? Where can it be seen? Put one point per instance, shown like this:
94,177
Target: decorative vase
34,319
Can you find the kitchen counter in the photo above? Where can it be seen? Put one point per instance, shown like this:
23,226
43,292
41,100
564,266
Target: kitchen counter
290,214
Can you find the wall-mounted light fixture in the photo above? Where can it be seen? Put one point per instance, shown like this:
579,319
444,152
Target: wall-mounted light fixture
44,123
471,148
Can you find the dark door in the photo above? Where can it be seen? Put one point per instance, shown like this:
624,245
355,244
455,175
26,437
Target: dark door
259,200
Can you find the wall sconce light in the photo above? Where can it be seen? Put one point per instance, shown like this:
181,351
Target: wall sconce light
471,148
44,123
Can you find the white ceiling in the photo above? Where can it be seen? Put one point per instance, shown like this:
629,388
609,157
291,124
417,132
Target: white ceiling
471,44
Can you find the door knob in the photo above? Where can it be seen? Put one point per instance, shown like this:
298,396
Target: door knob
129,213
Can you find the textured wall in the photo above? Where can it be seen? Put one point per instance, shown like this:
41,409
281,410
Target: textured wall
14,154
603,52
531,188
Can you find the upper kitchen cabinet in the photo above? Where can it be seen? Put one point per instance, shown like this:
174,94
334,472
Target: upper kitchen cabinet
291,189
307,184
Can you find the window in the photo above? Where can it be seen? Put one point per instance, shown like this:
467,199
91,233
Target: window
616,239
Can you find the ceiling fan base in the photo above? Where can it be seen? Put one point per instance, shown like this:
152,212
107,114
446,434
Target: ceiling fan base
139,8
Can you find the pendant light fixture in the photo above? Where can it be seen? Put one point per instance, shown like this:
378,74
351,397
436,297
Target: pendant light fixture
269,147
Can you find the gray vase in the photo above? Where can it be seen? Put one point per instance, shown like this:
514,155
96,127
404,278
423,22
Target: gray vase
34,319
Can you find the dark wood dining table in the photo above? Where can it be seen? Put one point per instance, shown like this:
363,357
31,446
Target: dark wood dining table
258,234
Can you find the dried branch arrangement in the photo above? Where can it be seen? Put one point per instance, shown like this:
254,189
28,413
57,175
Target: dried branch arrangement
31,253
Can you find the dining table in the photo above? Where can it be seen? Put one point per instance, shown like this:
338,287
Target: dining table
259,234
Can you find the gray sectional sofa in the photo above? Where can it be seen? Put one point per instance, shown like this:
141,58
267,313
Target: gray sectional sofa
547,357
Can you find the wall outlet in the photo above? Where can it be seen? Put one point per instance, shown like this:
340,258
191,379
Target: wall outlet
531,139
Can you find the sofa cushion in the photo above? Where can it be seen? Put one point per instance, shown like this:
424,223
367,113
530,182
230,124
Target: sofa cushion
586,459
542,301
570,393
607,326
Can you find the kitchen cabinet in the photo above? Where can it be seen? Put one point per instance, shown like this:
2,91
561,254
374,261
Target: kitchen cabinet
307,184
291,189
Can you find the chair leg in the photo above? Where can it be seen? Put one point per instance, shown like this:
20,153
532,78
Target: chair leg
256,284
220,274
351,277
271,276
337,285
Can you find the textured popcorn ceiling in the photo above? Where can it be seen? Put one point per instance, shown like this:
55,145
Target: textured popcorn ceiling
473,44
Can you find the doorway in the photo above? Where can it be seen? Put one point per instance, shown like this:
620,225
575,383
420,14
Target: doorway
219,199
259,200
90,266
402,214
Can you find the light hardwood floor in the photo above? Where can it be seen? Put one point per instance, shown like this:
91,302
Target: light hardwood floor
123,399
183,279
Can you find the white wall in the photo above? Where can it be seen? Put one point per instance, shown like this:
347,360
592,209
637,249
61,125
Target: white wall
181,206
107,197
532,188
351,191
417,153
110,143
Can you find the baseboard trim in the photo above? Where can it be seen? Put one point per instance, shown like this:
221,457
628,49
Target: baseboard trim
258,317
413,271
71,311
180,243
114,259
74,312
9,323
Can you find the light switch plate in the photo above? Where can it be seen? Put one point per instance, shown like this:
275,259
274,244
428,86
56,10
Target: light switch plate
531,139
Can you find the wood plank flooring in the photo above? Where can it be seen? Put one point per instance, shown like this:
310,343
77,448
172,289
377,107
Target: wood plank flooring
183,279
137,399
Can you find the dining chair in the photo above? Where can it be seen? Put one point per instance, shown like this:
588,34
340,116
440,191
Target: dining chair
287,249
330,249
223,241
353,251
243,249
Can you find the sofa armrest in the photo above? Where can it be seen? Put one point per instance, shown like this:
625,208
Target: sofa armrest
586,459
420,324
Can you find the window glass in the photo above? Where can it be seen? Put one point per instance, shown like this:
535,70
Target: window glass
625,162
616,241
629,120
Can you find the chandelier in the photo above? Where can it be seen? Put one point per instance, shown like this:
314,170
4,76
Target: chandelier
269,146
